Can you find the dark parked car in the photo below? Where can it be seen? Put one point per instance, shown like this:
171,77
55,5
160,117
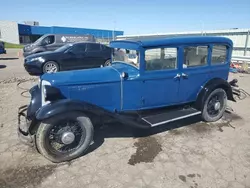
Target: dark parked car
69,57
2,49
149,83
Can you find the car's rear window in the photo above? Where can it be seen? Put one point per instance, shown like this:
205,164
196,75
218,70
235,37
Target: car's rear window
219,54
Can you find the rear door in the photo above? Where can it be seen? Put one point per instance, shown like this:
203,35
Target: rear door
195,71
94,55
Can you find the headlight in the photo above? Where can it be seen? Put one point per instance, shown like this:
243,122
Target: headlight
37,59
50,93
43,90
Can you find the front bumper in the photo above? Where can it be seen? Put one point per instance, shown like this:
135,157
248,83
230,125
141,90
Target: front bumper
33,68
23,126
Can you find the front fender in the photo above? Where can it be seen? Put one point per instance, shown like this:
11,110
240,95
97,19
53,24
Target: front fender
209,87
67,105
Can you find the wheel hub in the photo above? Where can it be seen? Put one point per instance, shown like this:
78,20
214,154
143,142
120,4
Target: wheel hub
217,106
68,138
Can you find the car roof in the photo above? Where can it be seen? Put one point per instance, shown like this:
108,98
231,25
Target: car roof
171,41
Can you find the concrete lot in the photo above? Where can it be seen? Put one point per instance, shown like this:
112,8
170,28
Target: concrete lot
188,153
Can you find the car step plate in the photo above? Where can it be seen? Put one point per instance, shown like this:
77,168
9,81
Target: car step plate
170,116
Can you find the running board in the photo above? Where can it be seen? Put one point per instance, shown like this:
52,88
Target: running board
170,116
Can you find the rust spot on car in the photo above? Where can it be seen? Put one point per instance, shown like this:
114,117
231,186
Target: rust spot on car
147,149
25,176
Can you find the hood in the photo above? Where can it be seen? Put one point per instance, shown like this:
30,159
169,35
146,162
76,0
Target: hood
86,76
41,54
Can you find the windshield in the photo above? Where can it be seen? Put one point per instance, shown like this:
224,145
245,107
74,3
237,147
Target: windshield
63,48
40,39
126,56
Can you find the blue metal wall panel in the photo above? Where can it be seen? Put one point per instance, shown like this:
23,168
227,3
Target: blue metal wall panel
41,30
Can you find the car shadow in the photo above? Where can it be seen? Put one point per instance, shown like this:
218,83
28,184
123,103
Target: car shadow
8,58
115,130
2,66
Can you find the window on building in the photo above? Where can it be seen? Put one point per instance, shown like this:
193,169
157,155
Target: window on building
161,59
219,54
195,56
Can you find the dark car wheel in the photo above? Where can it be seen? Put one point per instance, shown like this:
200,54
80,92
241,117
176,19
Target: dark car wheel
64,137
50,67
107,63
215,105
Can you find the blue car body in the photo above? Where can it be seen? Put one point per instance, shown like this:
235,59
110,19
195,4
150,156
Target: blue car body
149,83
106,88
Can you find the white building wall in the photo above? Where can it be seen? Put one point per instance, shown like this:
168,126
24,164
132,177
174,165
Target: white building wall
9,32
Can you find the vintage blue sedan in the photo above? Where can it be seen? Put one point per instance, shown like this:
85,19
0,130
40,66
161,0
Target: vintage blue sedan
149,83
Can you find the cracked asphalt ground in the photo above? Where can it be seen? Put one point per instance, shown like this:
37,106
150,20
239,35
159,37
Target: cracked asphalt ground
188,153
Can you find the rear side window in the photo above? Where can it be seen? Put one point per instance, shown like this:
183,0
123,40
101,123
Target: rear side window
195,56
219,54
93,47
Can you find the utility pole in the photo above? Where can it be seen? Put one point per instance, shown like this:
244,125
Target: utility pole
114,31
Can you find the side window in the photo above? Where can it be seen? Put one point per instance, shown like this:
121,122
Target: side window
161,59
93,47
219,54
48,40
78,48
195,56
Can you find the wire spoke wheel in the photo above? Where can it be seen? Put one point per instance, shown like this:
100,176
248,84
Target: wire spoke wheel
215,105
65,137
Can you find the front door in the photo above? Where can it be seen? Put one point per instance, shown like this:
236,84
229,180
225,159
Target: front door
194,71
74,58
161,78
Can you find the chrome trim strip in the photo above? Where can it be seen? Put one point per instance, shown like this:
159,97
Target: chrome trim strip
121,86
171,120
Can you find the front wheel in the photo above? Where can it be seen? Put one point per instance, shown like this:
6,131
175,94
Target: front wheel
214,105
50,67
64,137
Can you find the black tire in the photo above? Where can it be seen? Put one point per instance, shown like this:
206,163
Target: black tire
207,114
53,63
107,63
44,132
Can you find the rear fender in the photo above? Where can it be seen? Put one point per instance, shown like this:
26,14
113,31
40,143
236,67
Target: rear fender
209,87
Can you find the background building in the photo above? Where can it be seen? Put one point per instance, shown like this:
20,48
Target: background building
240,38
30,31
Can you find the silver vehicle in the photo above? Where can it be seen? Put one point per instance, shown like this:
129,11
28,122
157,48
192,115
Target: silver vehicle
51,42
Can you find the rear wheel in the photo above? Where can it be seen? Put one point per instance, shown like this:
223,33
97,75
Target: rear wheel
215,105
50,67
64,137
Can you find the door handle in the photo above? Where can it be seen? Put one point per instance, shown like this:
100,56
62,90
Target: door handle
177,76
184,75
